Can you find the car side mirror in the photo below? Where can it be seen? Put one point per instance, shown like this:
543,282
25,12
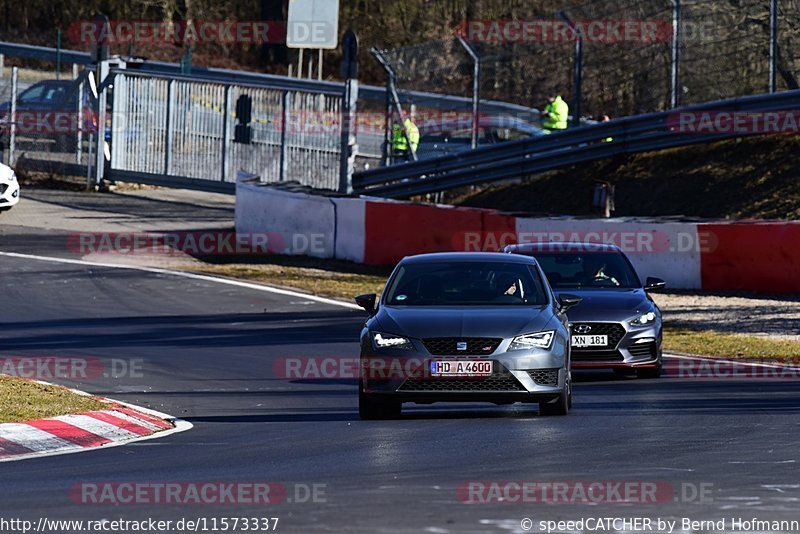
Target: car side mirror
566,302
367,302
654,284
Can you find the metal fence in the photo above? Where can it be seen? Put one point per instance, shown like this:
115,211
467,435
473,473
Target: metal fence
174,130
53,120
699,51
197,123
642,133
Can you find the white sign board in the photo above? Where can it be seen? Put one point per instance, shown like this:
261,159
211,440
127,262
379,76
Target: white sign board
313,24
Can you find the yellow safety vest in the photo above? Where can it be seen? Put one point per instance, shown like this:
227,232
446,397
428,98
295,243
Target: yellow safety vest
399,140
558,115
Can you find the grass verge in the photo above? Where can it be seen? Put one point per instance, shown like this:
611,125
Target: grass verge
24,400
734,346
326,278
343,280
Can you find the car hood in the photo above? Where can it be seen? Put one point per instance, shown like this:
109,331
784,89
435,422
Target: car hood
607,304
457,321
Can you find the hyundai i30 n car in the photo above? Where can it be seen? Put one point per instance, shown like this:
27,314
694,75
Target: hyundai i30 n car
465,327
617,324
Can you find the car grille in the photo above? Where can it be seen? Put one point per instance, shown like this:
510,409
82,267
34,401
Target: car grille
501,380
3,188
545,377
614,331
446,346
597,356
641,350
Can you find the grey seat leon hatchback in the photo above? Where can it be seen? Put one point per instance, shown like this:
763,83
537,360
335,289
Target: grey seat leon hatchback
465,327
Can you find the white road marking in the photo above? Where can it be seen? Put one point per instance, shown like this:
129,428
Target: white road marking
192,276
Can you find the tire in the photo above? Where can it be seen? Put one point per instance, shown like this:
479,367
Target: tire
372,408
651,372
560,406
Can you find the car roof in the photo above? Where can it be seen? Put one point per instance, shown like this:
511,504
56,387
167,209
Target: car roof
467,256
54,82
561,246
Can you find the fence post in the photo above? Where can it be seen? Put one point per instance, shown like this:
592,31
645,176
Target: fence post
168,131
773,45
676,45
392,103
2,65
81,124
286,102
226,136
349,147
12,136
476,88
578,73
102,105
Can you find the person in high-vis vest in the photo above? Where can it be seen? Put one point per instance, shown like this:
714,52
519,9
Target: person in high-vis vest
606,118
555,114
400,146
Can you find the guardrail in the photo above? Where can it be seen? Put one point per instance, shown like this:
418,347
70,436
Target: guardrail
234,77
515,159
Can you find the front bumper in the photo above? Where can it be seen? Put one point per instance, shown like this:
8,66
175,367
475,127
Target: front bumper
9,194
632,347
518,376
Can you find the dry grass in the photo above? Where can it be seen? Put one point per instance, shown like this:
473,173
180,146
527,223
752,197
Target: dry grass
733,346
24,400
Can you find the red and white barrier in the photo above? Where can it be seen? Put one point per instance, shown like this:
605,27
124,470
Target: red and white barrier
763,256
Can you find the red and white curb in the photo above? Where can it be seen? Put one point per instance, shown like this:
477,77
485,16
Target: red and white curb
120,424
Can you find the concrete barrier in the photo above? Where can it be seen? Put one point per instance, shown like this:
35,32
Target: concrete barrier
720,256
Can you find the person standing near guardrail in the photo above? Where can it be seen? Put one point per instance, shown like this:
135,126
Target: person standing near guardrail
606,118
400,145
555,114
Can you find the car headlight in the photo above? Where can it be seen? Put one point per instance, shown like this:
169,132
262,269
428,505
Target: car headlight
539,340
390,341
644,319
13,177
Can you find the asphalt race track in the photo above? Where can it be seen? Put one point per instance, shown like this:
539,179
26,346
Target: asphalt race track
205,352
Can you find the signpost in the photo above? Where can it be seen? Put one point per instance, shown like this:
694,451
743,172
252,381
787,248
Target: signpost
312,24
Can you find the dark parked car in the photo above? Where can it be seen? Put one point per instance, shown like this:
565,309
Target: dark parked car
451,139
617,324
465,327
50,110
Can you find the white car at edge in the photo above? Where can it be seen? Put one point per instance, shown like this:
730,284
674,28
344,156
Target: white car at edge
9,188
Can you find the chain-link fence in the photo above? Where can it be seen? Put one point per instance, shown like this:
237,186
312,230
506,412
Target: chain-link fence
638,56
53,117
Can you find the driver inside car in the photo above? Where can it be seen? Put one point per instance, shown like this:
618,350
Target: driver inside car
595,272
507,285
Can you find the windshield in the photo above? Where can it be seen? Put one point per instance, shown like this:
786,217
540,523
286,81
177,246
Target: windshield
466,284
586,270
